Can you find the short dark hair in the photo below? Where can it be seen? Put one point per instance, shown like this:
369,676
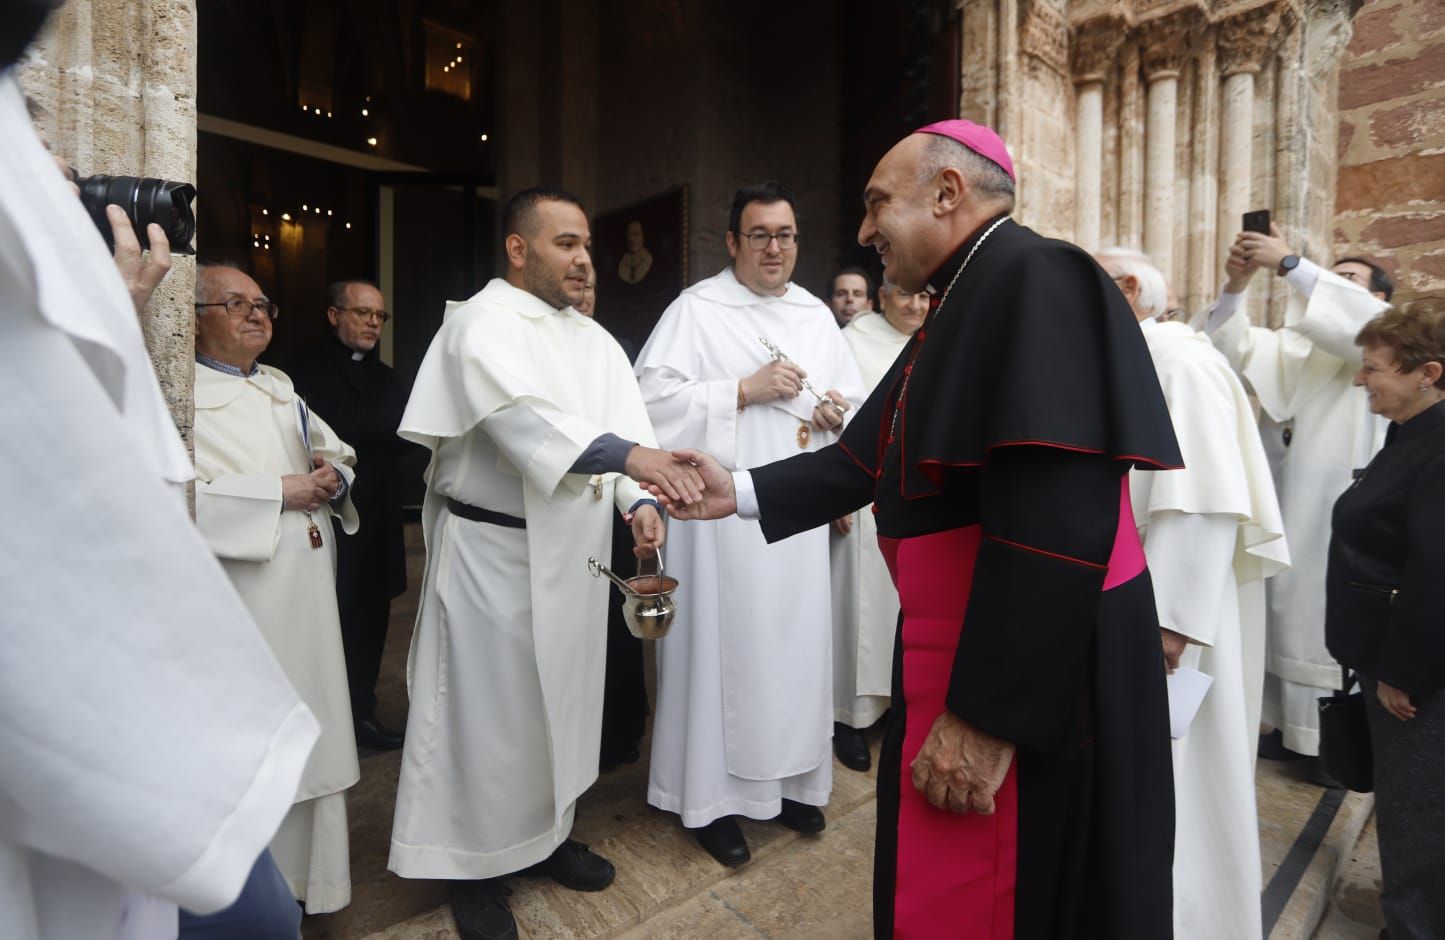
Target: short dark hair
766,192
519,216
336,290
1380,281
855,270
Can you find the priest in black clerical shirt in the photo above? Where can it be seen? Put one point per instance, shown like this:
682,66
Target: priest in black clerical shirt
344,379
1025,786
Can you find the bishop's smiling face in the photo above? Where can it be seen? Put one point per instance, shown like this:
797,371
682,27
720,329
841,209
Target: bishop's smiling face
898,221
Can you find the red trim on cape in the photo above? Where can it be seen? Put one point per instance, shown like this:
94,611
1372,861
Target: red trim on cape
1040,551
854,457
1056,445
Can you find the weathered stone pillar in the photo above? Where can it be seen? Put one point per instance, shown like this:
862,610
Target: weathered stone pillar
1245,41
1094,47
1165,47
1131,170
1089,164
1202,276
1163,100
116,83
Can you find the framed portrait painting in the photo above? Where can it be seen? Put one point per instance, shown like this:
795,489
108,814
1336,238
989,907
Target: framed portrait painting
640,253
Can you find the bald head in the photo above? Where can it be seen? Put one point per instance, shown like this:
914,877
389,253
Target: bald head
238,336
925,198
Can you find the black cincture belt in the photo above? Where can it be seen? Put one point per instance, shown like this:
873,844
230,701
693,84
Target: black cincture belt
478,514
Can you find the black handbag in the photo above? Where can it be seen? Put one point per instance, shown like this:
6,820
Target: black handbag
1345,737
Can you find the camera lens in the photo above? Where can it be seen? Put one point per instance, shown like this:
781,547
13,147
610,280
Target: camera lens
145,200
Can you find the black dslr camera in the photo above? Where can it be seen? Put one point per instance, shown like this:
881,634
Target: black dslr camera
145,201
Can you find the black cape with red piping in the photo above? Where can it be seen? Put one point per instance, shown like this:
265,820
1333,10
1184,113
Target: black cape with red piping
1037,330
1029,396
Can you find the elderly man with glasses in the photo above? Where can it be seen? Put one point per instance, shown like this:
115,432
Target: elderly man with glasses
269,475
344,378
744,695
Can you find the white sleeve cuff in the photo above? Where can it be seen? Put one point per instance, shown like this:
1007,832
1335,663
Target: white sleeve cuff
747,497
1224,308
1304,276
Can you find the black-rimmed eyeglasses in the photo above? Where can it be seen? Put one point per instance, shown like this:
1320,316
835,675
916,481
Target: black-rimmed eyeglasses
366,313
239,307
758,241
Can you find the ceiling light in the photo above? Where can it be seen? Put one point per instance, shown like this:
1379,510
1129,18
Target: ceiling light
371,141
365,113
285,217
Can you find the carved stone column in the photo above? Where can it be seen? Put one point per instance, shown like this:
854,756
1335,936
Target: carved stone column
1204,262
1131,170
1165,46
116,84
1094,48
1245,41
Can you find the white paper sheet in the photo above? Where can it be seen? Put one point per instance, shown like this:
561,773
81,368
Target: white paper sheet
1186,693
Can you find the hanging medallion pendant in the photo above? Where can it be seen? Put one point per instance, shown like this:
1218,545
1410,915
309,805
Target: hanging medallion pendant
804,435
313,533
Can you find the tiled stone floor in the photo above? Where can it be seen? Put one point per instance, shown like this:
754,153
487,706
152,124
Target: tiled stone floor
796,886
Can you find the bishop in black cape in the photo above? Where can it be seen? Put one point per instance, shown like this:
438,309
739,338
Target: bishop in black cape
997,452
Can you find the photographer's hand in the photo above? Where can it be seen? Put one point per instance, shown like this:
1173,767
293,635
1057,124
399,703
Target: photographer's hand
142,274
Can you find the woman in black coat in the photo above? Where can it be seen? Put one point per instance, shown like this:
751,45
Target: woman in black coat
1385,616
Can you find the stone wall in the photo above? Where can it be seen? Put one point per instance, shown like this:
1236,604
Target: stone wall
1391,197
116,86
1155,124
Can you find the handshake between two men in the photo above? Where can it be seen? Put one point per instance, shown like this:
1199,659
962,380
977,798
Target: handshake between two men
693,485
959,768
688,484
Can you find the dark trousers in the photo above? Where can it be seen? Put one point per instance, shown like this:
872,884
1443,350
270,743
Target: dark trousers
264,911
1410,814
365,610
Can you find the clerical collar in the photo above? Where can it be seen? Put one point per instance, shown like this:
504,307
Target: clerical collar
357,356
226,367
938,280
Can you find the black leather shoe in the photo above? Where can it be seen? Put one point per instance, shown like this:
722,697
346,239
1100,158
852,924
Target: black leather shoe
723,839
610,758
481,910
573,865
1271,747
371,733
800,817
851,747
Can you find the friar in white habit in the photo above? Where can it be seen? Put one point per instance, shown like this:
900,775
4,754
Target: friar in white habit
865,602
151,743
1317,430
535,425
1212,533
269,475
744,692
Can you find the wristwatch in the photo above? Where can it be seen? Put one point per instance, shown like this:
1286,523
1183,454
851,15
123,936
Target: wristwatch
1287,264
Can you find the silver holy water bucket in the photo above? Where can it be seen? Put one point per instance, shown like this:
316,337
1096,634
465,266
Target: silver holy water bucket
647,603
